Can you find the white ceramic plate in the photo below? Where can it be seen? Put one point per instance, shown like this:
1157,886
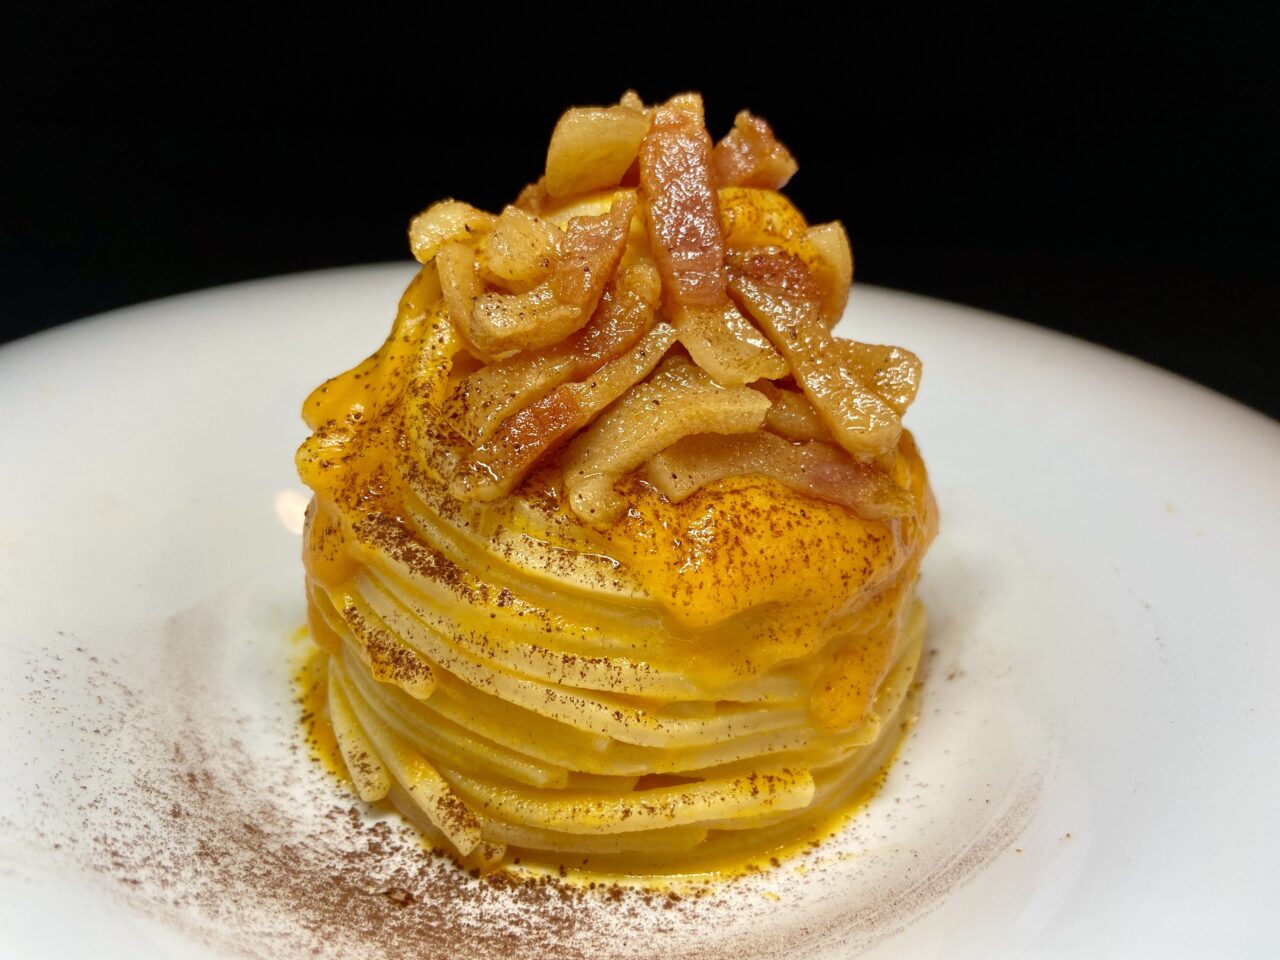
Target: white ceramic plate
1095,771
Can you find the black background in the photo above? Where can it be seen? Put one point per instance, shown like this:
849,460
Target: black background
1109,173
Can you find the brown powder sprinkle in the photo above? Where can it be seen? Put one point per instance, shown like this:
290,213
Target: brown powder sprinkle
183,786
387,657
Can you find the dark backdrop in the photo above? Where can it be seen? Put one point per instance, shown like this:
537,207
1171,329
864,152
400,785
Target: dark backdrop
1110,174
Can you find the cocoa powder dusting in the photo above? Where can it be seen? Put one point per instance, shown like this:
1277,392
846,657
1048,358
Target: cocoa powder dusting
387,657
185,787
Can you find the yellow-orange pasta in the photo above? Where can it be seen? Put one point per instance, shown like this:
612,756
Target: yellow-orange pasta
614,543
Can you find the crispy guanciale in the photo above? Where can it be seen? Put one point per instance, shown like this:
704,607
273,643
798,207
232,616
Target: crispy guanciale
654,304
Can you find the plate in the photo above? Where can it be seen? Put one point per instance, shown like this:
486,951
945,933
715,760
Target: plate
1094,770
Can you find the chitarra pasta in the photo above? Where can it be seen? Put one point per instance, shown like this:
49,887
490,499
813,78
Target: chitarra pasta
613,545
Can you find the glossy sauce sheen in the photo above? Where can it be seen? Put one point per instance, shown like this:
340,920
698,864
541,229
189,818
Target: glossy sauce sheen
744,579
744,545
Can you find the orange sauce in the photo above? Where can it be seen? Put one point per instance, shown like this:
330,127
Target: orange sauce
311,694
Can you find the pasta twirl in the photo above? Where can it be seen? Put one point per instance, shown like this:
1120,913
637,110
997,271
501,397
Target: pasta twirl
613,546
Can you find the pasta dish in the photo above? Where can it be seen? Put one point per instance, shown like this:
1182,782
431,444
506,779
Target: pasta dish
613,544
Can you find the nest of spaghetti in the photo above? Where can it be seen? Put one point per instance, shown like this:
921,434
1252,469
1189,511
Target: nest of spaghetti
613,547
